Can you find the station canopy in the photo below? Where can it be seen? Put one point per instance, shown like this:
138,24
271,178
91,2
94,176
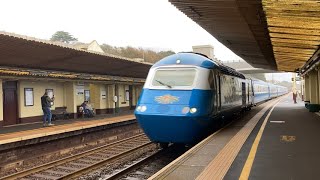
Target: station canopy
294,28
270,34
26,52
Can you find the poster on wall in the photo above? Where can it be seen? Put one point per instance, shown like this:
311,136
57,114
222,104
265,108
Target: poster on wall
87,95
28,96
127,95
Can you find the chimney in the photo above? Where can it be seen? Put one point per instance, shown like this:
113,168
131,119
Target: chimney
204,49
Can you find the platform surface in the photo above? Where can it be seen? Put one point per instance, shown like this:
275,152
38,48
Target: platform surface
193,162
288,147
35,130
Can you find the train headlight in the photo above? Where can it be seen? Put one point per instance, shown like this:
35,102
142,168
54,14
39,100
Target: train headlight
193,110
185,110
143,108
138,108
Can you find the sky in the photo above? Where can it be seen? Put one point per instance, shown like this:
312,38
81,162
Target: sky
279,77
152,24
139,23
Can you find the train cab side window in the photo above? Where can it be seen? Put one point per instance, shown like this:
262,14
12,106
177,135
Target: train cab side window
211,80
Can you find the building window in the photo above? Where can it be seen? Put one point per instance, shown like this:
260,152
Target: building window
28,97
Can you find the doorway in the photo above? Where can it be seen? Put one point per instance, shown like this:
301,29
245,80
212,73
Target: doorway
244,98
10,103
131,97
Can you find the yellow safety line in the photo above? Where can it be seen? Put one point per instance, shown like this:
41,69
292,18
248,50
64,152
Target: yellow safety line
248,165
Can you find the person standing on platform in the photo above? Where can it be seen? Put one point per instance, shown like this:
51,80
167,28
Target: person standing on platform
46,105
294,94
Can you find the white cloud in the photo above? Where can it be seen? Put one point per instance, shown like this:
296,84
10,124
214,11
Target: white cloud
279,76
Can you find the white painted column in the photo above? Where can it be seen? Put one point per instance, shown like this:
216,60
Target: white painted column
306,88
314,87
1,103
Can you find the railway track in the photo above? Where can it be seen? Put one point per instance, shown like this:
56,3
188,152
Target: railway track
147,166
85,162
129,169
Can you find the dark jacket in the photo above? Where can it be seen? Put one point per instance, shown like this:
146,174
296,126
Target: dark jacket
46,101
84,106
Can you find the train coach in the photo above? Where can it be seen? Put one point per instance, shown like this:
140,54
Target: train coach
263,91
187,95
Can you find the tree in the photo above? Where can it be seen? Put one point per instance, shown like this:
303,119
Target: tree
132,52
63,36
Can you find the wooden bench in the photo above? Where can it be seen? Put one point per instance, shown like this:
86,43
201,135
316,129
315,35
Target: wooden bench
60,113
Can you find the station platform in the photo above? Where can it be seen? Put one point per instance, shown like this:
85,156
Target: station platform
276,140
23,132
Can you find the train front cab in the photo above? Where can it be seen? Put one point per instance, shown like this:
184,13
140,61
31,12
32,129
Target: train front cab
178,102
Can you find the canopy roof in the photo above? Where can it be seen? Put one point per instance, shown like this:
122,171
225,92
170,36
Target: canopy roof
271,34
294,28
27,52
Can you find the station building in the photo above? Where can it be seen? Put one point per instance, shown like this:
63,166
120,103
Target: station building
72,73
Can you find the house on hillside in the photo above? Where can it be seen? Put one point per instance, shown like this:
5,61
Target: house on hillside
93,46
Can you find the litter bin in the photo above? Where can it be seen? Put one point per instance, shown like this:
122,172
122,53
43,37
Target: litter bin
314,107
306,104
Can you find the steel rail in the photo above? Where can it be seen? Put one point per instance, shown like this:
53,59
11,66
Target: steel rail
65,160
132,167
103,162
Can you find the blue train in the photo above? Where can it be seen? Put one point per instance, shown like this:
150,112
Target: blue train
187,95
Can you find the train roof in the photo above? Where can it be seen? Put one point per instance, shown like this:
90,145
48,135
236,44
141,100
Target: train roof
259,81
230,71
197,59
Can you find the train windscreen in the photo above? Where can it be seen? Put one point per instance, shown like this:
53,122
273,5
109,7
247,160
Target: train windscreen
174,77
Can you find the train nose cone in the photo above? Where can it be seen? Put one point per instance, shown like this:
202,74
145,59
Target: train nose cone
163,108
173,128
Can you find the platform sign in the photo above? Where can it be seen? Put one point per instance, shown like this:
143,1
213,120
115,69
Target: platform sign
103,94
297,79
80,90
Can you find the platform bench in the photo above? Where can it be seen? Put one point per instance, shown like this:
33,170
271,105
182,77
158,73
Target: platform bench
60,113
